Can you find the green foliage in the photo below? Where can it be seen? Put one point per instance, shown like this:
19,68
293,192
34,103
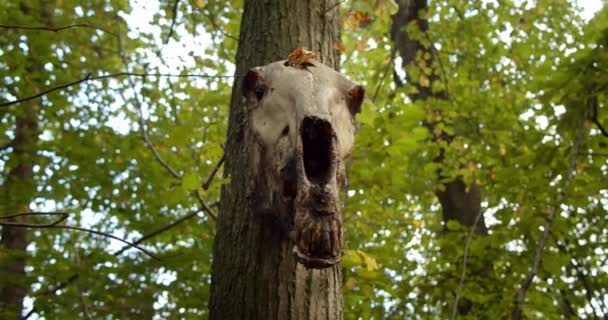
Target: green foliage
519,75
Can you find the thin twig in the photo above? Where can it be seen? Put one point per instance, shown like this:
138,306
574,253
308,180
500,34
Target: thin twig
57,29
205,206
158,231
217,28
576,265
217,166
464,265
113,75
54,226
538,253
595,115
64,215
388,66
149,144
147,236
173,19
26,214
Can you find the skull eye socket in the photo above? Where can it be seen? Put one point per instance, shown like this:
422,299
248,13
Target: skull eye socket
317,144
285,131
259,92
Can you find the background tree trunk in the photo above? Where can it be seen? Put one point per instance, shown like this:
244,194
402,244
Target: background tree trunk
459,202
254,274
17,192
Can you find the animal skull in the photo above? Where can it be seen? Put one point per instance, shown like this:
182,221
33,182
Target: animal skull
301,119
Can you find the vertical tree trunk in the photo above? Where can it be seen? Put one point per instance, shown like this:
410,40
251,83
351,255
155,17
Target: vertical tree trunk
458,201
255,275
17,192
19,188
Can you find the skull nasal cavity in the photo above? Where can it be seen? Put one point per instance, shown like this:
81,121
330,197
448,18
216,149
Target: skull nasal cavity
317,138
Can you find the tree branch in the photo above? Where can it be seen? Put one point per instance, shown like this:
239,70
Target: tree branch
55,225
158,231
538,253
173,19
464,265
217,28
88,77
386,70
57,29
205,206
217,166
142,123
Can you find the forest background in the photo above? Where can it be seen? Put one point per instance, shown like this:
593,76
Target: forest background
127,119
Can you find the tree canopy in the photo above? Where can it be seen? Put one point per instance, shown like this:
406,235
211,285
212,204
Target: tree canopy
124,107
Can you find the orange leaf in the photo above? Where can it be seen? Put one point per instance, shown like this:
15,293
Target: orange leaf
301,57
340,47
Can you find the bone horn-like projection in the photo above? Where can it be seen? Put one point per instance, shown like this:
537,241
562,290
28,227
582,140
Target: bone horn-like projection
302,122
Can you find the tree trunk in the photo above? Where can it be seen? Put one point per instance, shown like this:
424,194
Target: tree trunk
17,193
255,275
458,201
19,188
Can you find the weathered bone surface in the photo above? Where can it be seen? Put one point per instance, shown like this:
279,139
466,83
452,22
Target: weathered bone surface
301,119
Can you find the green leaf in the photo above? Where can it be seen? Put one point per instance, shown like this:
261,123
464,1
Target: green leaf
191,181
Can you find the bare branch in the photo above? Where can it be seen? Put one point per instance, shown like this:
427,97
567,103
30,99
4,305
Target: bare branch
465,257
26,214
64,215
149,144
538,253
217,28
142,124
55,226
205,206
88,77
57,29
386,70
158,231
173,19
217,166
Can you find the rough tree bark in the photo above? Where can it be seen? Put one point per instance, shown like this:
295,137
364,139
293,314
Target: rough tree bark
255,275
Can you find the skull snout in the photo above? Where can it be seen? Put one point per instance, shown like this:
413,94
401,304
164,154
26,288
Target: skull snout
318,150
318,224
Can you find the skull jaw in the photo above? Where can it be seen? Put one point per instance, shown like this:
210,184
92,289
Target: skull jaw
317,232
312,262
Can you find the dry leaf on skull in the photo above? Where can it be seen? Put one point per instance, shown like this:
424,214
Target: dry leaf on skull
300,57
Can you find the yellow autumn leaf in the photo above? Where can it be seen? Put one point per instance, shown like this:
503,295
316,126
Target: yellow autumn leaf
424,81
368,262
